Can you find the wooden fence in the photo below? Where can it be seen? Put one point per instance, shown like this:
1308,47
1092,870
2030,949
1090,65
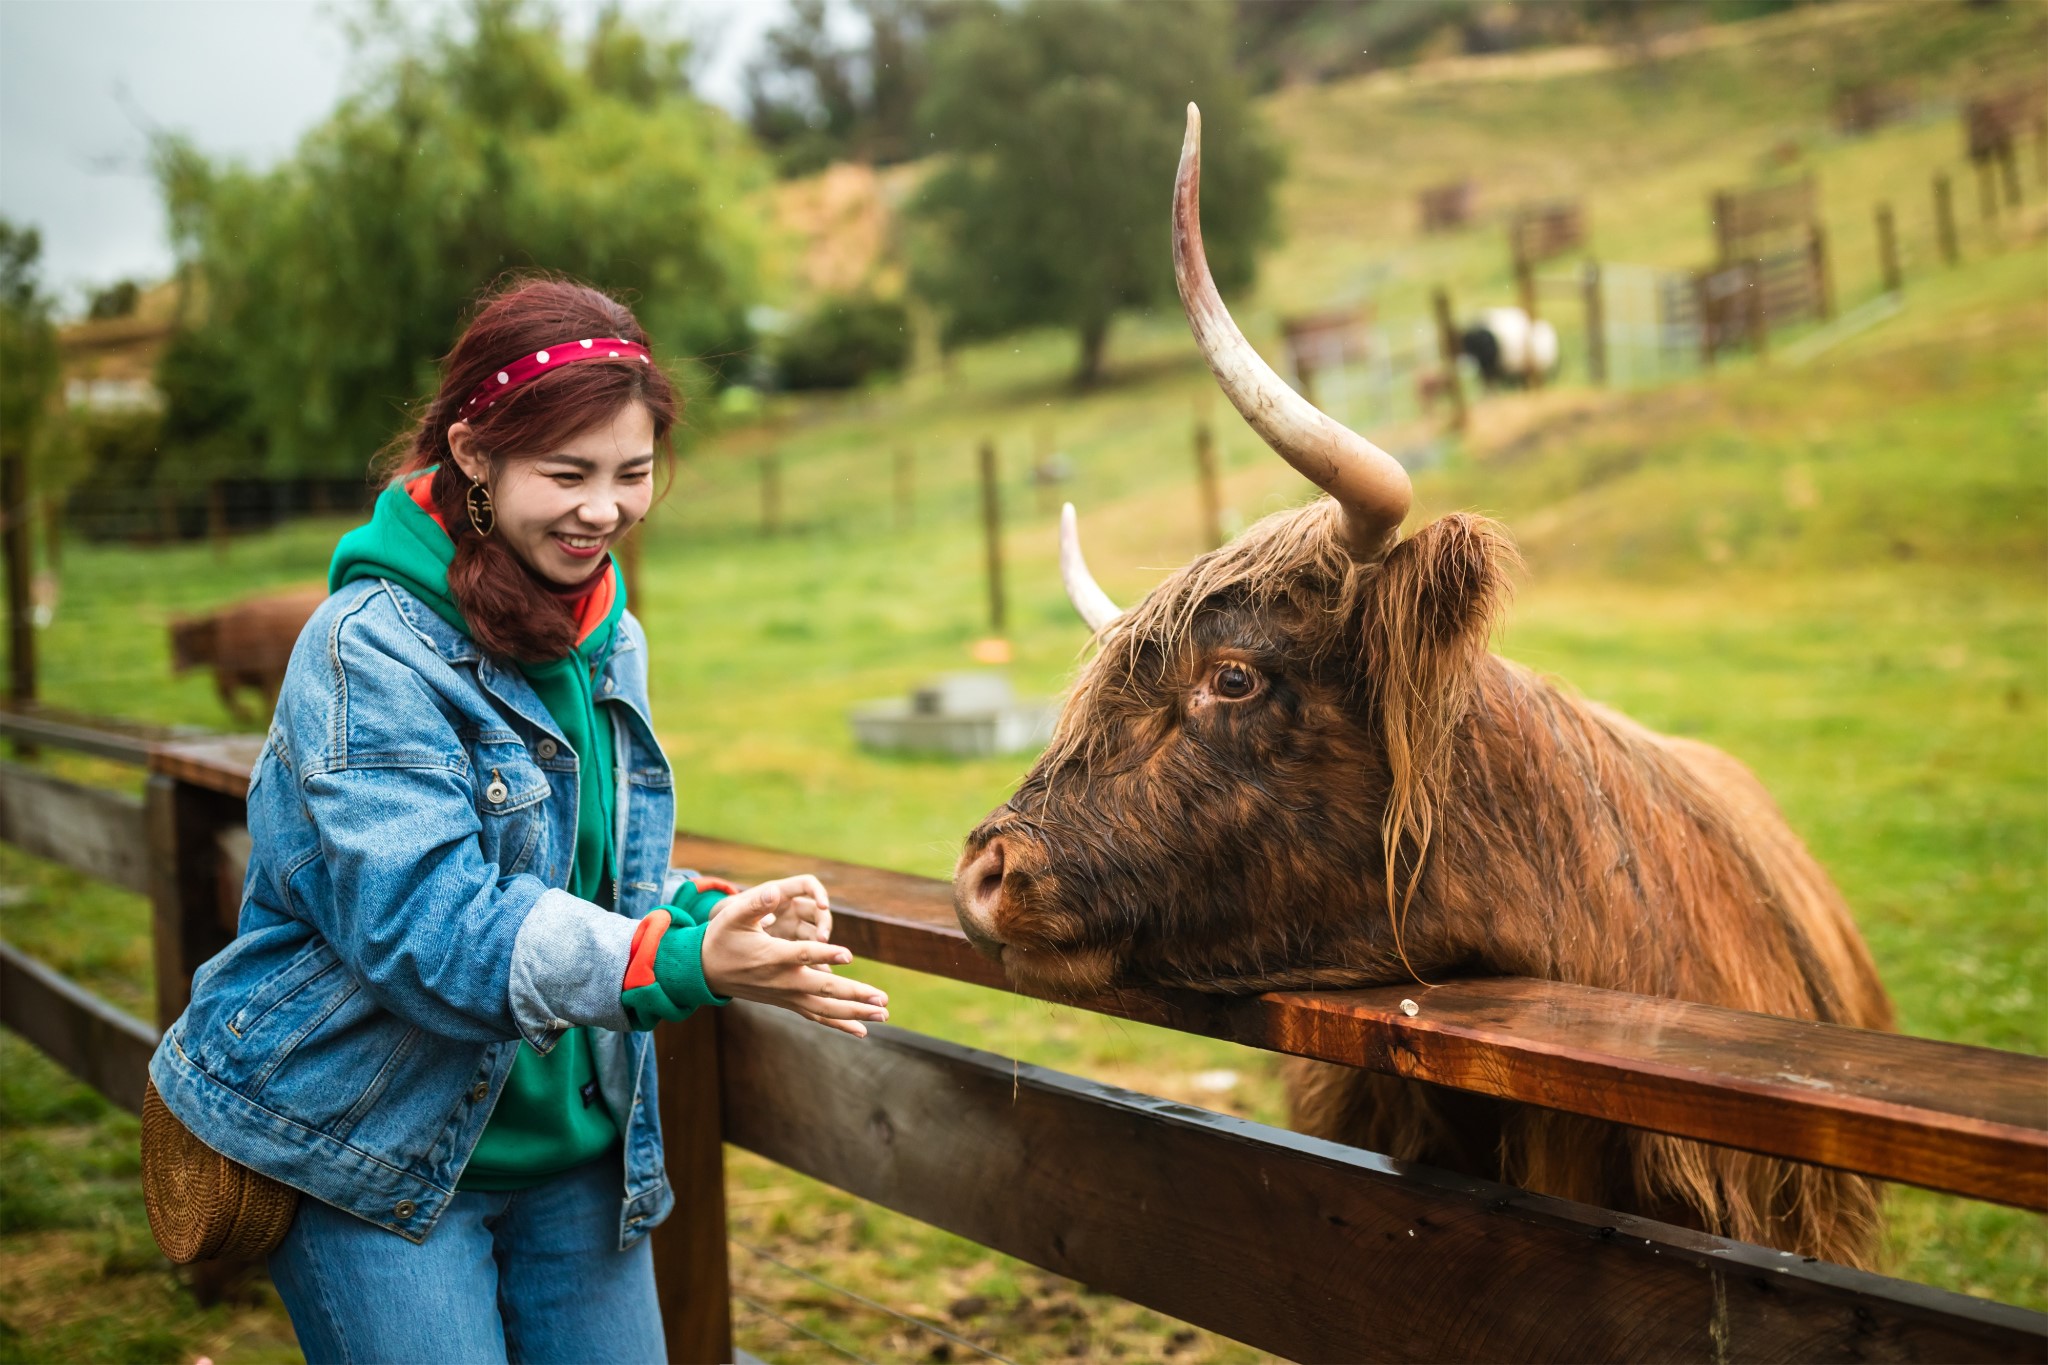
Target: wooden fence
1306,1248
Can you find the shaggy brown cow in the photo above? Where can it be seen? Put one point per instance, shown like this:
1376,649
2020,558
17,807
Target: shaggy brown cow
1296,764
248,643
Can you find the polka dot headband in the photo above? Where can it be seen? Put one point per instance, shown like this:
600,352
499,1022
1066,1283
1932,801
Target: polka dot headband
531,367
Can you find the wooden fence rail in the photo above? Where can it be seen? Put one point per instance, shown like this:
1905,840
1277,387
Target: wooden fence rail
1310,1249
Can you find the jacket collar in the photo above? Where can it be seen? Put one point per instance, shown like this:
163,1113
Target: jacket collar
508,685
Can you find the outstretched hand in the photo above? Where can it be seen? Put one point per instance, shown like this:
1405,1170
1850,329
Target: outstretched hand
769,944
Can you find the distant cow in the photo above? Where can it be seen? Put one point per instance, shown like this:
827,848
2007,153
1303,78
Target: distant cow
1509,349
248,644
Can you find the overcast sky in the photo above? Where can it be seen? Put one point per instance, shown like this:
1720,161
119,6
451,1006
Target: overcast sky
80,81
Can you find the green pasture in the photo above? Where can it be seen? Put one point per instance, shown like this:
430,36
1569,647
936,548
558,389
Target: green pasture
1837,570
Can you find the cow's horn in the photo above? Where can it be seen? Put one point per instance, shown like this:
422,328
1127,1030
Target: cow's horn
1367,482
1082,590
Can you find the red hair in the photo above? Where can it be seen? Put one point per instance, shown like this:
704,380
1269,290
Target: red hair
510,610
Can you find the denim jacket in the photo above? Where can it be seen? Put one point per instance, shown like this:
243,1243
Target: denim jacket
404,926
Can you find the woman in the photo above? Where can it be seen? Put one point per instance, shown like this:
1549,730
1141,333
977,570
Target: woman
459,921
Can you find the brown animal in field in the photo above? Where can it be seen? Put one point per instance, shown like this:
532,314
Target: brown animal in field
248,644
1296,764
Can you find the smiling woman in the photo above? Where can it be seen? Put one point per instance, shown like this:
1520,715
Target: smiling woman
459,925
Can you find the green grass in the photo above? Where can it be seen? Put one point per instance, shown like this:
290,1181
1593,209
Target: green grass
1835,571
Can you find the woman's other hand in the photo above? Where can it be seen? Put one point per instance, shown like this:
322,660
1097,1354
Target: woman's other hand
746,959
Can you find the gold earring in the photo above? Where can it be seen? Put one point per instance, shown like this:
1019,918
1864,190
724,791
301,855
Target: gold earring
483,514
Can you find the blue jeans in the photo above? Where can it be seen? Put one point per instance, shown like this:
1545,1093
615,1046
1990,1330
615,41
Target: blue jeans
525,1275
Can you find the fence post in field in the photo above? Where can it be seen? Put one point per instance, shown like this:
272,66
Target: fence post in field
2009,168
1212,494
906,493
1447,347
1945,219
692,1280
1823,275
1596,325
1758,320
992,530
1987,192
1887,249
771,494
14,541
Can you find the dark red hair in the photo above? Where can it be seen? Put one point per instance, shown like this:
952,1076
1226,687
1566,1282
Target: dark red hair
510,610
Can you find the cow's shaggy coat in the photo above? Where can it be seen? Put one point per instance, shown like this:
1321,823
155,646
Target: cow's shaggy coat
1287,768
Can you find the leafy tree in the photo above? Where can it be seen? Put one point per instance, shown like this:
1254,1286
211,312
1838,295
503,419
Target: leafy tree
1064,124
330,284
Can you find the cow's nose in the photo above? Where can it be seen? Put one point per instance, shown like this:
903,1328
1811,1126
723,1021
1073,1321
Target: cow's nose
977,892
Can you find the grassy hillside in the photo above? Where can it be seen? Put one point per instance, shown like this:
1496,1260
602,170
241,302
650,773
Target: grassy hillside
1834,570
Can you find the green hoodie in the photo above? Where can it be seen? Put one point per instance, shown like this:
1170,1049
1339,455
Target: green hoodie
550,1116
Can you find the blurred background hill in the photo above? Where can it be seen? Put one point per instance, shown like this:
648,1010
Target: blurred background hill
1826,556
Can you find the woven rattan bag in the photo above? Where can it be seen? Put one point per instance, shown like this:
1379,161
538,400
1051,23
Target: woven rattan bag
202,1206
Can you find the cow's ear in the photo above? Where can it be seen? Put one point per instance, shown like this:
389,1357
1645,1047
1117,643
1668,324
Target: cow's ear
1436,597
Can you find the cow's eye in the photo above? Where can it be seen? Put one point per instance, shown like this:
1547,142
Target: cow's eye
1235,681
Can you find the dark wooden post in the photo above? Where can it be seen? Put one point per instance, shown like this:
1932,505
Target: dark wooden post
992,529
1447,346
1596,325
1887,249
1823,272
2009,169
1710,322
1753,299
191,905
1945,219
692,1280
1212,494
771,494
1721,208
1987,192
15,535
906,495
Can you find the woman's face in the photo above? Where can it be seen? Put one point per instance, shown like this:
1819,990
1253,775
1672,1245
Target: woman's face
561,511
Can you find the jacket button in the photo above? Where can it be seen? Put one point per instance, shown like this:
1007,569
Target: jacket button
496,793
546,748
405,1208
483,1088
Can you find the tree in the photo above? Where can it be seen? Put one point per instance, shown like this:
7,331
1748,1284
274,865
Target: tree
329,285
1063,125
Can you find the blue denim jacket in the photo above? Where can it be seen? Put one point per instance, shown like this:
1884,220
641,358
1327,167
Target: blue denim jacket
404,926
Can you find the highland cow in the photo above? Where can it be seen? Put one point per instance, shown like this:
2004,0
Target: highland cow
1296,764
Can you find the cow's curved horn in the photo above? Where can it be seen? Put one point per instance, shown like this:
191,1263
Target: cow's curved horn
1367,482
1082,590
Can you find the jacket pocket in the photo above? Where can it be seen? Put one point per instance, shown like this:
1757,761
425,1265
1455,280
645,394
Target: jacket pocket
277,989
511,792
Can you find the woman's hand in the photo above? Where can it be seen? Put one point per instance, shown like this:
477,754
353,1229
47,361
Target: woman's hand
746,959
